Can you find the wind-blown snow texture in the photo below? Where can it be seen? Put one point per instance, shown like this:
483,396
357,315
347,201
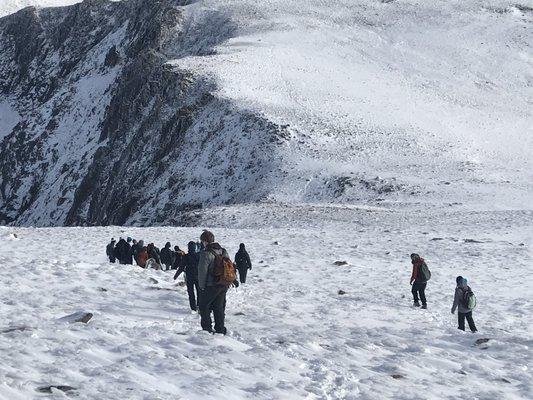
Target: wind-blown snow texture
182,105
292,336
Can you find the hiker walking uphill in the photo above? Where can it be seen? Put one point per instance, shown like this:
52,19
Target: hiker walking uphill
135,248
178,256
243,262
419,278
110,251
123,252
167,256
215,274
189,265
465,301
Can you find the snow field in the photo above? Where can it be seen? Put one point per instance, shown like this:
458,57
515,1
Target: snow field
292,335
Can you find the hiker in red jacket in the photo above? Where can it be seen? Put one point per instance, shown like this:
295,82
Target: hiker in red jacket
419,280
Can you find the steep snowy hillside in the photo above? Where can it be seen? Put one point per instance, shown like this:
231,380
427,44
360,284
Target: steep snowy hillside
433,97
134,112
11,6
301,328
106,132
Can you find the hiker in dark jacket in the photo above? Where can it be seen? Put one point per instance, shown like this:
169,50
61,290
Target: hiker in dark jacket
243,262
462,308
212,295
189,265
418,281
167,256
153,253
135,247
178,257
110,251
123,251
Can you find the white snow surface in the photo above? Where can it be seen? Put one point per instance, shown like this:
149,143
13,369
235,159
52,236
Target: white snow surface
11,6
291,335
417,93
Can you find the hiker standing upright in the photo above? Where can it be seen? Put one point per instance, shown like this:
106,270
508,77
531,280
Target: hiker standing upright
189,264
122,251
110,251
215,274
153,252
465,301
419,278
178,257
129,254
167,256
243,262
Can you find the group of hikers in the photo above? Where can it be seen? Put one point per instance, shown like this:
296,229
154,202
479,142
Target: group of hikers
464,300
209,271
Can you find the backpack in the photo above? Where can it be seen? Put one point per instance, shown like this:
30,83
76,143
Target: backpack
223,270
469,299
424,271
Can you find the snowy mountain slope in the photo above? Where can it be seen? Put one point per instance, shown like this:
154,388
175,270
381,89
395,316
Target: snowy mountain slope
101,115
135,112
11,6
292,336
426,93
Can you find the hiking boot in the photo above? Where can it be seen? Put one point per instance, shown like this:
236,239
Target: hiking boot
424,306
416,304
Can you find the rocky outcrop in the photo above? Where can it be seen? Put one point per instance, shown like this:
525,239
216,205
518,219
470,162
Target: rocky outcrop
108,131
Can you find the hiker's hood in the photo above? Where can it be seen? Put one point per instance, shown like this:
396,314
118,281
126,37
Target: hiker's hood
214,246
191,247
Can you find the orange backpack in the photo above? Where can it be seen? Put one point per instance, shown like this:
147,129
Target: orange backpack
223,270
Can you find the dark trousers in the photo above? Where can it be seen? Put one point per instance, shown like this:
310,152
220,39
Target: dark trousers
419,289
192,285
461,317
213,298
242,274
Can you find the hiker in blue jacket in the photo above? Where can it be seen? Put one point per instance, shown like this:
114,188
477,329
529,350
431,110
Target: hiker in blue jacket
460,302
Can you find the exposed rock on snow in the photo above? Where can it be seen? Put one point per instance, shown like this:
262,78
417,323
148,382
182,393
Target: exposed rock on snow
52,388
80,316
16,329
340,263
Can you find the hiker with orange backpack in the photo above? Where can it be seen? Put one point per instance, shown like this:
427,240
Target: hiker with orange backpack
216,273
419,278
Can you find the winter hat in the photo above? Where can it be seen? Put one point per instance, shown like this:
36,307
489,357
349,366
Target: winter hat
167,244
241,246
458,279
128,239
414,256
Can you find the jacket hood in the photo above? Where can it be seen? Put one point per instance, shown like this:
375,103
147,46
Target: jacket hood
191,247
214,246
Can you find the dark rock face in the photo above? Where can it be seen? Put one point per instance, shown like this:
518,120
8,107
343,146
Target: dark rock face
109,131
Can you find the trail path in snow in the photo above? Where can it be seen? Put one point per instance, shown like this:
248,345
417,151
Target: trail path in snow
291,334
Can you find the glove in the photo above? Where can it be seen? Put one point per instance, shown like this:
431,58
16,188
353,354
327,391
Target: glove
236,283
